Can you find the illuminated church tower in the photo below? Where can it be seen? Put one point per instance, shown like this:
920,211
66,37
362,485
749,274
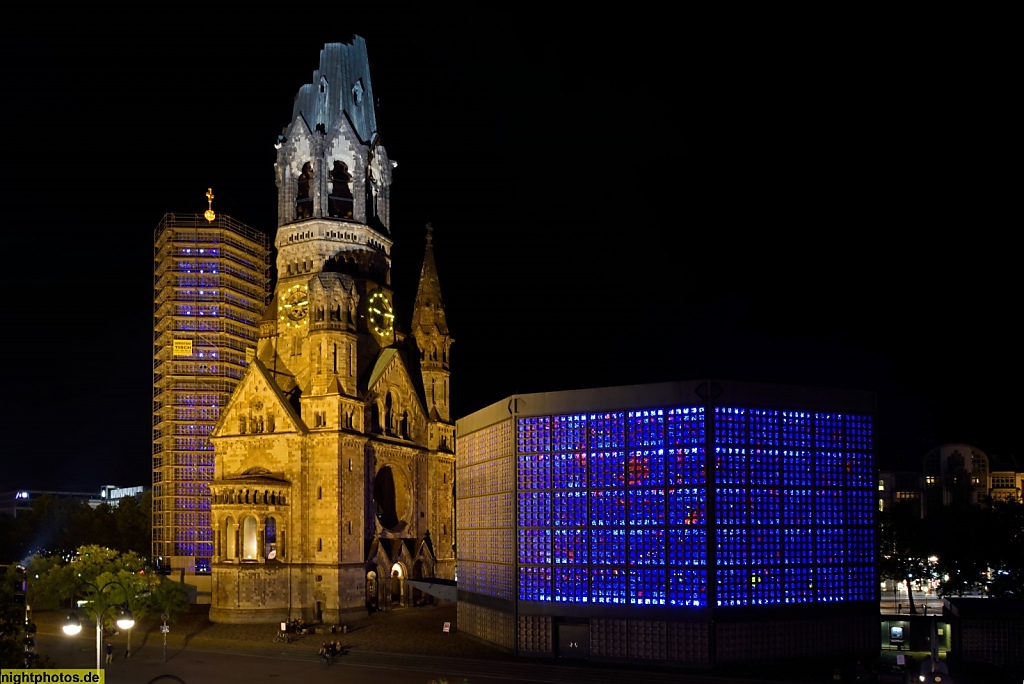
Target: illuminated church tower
334,463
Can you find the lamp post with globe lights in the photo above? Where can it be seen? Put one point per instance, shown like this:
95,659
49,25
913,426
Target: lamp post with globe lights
100,606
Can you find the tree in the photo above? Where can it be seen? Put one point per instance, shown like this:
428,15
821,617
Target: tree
101,577
170,599
1007,563
902,549
12,619
963,548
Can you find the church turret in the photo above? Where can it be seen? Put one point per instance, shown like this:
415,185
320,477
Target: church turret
430,329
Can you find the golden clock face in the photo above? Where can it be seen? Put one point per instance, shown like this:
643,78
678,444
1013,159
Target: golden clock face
379,314
294,305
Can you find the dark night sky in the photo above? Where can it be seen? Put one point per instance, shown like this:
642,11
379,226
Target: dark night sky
615,204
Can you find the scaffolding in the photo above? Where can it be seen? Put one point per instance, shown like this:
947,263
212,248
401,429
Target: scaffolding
211,286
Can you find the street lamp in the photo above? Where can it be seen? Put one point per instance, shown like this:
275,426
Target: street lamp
73,625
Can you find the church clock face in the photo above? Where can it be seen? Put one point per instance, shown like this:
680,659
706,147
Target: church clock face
294,305
379,314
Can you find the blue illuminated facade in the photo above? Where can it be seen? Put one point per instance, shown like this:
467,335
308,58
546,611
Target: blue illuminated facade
651,506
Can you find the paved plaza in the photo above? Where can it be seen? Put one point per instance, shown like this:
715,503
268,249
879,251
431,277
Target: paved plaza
402,645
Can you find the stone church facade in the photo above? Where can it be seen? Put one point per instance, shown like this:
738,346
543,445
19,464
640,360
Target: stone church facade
334,458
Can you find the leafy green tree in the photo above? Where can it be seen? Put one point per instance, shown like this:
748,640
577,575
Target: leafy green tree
170,598
12,620
100,577
133,522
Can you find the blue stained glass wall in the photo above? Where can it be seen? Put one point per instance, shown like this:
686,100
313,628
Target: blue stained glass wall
613,507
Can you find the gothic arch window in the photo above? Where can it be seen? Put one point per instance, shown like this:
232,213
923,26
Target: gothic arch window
389,407
304,192
250,542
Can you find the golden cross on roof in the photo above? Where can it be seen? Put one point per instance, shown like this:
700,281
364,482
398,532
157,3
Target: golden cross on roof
209,212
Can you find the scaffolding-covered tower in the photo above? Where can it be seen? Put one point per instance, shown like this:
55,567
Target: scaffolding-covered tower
211,285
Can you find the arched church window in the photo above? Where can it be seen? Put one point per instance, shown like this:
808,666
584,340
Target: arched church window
250,543
230,548
270,538
340,204
304,193
389,418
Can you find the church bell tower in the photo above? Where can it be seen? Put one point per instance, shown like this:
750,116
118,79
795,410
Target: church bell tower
335,457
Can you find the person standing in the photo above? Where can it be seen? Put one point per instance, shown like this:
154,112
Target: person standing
110,652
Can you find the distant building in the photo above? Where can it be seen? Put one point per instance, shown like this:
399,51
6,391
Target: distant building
952,474
113,495
20,501
211,282
692,523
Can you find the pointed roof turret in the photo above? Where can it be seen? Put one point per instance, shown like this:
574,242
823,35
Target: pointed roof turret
340,87
428,311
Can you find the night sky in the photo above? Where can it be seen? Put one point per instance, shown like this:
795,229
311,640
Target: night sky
625,201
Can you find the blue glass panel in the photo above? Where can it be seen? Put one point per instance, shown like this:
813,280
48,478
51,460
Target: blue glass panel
570,546
569,470
608,507
687,506
607,431
646,428
571,584
647,586
685,466
646,547
647,507
608,546
609,585
688,587
687,546
646,467
535,583
570,508
685,427
607,468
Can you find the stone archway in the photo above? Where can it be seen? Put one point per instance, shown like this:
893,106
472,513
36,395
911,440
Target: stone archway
372,592
396,585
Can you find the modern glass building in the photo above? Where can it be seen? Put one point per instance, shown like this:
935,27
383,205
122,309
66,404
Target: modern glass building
211,279
696,523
